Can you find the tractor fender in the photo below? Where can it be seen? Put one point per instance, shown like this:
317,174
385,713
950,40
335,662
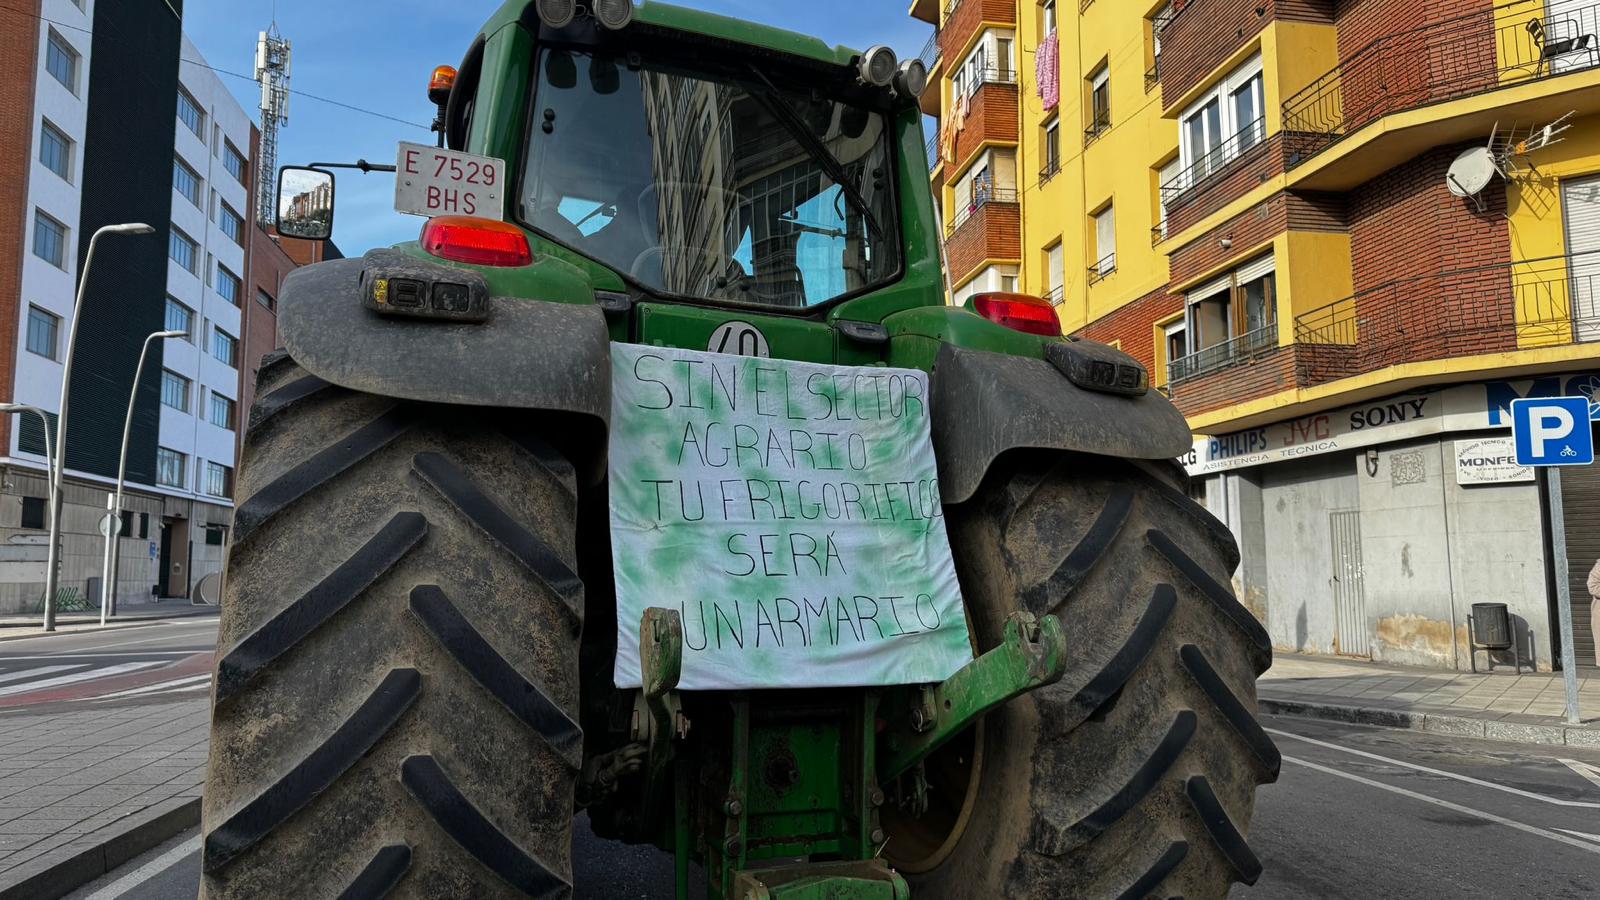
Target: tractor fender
527,354
984,404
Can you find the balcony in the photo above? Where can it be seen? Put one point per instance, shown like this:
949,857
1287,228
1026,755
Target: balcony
932,149
962,19
1099,124
930,57
925,11
1222,174
988,227
1547,302
1103,269
1509,44
1245,347
986,112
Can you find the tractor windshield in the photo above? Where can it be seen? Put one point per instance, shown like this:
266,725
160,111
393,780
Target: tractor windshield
710,187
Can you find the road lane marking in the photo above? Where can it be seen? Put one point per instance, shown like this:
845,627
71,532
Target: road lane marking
147,871
76,677
158,687
40,670
1585,771
1453,807
1582,834
1581,804
146,653
58,636
154,640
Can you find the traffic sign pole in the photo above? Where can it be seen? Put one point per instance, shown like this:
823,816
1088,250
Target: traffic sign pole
1558,547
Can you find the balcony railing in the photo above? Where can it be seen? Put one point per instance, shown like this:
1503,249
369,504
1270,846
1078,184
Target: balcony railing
1217,356
1510,43
933,153
1056,295
1052,168
1103,269
1550,301
1099,125
930,51
951,7
1152,77
981,198
1215,161
990,75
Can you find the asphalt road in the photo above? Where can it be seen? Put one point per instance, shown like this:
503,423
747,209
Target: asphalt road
165,660
1358,812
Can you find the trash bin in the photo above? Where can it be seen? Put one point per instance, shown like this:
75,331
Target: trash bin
1492,626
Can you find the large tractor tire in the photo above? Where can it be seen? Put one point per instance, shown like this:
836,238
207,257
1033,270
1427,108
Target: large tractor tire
397,666
1135,775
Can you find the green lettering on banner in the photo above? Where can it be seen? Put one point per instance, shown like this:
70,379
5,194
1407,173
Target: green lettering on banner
790,513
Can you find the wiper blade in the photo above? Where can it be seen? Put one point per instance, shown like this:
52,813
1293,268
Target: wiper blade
780,109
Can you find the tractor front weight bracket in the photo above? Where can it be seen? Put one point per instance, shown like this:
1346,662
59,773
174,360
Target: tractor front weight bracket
658,718
1032,655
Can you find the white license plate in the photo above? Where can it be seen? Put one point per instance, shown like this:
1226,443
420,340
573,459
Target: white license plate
432,181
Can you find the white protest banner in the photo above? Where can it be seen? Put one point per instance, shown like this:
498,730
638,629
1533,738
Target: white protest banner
789,512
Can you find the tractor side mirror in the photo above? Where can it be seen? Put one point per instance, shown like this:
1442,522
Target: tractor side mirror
305,203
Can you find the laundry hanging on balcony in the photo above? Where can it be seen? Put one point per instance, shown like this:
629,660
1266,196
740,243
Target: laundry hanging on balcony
1047,71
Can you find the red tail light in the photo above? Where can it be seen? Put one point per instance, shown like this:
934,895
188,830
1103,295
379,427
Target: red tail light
482,242
1019,312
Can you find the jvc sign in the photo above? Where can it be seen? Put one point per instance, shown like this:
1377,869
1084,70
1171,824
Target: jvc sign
1552,431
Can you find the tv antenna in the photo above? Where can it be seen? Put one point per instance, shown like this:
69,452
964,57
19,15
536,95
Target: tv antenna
273,57
1511,148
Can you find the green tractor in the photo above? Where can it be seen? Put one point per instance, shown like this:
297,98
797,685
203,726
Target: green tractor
417,684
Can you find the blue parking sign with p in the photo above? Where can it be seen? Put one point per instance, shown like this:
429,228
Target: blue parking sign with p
1552,431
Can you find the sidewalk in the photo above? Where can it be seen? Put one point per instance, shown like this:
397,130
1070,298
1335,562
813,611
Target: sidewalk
129,615
1526,708
85,789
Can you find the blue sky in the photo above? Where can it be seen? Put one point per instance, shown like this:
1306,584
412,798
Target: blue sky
377,54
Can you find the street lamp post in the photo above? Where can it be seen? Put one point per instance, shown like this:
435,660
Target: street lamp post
52,575
44,423
113,527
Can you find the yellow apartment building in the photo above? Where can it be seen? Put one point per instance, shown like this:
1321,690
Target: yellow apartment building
1343,235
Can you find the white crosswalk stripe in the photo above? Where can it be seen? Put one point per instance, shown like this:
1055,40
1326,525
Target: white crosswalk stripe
37,672
75,677
181,685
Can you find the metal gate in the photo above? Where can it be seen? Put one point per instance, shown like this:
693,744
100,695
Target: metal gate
1349,597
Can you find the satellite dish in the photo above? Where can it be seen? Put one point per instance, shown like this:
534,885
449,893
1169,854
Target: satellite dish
1471,172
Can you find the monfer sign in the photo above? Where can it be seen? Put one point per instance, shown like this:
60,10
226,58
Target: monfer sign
789,512
1489,461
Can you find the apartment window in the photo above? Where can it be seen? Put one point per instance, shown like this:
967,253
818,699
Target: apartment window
1008,284
33,512
1167,174
228,285
144,526
1047,16
1052,150
190,114
976,67
1055,267
1002,58
43,331
215,534
174,390
1222,124
231,223
224,347
186,181
127,524
55,150
211,266
183,250
61,61
218,483
1231,317
1176,335
180,318
221,411
1105,243
170,466
1099,102
49,240
1158,23
234,162
265,299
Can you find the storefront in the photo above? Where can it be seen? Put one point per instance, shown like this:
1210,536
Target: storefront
1370,530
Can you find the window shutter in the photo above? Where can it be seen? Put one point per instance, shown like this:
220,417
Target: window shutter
1255,268
1210,288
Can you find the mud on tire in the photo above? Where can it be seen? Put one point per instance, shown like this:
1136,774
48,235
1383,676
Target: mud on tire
1135,775
397,683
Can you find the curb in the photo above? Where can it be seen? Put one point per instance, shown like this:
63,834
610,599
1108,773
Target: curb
1509,730
33,628
92,855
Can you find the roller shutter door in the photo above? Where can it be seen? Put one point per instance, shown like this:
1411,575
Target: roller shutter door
1580,507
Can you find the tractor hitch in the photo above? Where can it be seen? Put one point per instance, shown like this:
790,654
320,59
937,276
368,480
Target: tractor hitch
1033,654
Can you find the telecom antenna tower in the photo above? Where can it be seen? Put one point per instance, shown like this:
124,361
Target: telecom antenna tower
272,73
